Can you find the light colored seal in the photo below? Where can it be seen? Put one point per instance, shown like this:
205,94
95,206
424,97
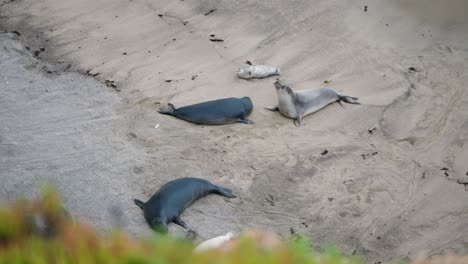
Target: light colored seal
214,242
249,71
298,104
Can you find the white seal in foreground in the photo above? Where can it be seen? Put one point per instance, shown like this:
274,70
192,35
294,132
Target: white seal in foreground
249,71
214,242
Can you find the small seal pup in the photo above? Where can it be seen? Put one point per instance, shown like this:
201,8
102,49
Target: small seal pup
213,242
249,71
298,104
166,205
216,112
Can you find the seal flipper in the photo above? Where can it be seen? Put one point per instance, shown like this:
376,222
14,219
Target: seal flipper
297,121
272,108
339,101
348,99
167,109
179,221
139,203
224,192
246,121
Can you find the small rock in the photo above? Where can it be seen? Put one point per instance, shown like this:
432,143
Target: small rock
168,81
125,53
325,152
365,8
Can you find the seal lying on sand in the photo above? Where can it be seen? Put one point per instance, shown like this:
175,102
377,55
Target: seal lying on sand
217,112
298,104
214,242
166,205
249,71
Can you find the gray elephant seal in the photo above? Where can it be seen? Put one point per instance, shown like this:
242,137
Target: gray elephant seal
217,112
166,205
298,104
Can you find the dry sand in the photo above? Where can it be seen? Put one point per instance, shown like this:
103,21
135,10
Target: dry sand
387,187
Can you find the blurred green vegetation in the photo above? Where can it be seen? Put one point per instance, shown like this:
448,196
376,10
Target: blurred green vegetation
42,232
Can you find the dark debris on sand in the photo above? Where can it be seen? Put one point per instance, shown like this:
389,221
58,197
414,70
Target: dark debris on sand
213,38
209,12
112,84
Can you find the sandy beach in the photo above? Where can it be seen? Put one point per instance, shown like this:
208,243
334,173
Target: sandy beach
81,82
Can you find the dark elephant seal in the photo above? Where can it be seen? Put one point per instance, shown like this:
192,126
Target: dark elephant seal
166,205
298,104
217,112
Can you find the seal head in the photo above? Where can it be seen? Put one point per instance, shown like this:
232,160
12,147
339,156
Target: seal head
159,225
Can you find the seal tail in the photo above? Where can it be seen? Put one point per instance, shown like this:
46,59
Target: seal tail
348,99
139,203
167,109
224,192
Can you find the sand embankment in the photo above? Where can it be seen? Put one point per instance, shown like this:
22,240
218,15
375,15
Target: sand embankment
387,186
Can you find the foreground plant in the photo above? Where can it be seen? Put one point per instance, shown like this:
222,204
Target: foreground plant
42,231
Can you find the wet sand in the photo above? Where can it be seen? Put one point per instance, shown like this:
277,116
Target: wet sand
390,184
